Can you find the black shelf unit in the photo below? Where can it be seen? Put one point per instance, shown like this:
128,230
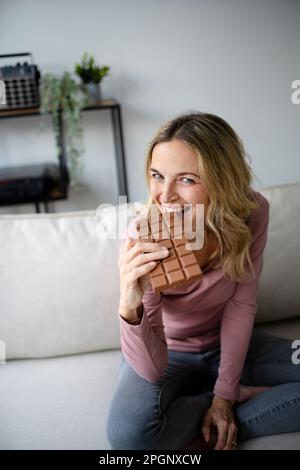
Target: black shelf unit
47,182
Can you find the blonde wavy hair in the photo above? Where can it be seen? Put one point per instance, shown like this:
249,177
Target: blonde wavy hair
227,178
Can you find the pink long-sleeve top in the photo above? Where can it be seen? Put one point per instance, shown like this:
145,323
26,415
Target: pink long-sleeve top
199,316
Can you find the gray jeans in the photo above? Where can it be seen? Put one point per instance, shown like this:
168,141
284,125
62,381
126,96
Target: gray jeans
168,414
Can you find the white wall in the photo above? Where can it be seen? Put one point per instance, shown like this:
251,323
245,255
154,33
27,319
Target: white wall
235,58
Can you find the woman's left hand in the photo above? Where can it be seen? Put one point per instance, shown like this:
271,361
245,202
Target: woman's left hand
221,415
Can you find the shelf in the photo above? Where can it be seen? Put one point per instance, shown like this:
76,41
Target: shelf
115,110
21,112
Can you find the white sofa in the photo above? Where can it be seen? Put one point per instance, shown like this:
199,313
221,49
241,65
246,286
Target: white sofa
59,292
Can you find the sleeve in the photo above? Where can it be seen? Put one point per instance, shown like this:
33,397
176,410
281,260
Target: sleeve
144,345
238,317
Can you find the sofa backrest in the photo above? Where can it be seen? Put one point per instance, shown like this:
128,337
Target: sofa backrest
279,290
59,279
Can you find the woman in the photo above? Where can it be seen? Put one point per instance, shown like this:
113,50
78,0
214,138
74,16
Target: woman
194,375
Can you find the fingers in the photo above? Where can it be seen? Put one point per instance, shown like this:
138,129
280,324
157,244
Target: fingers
142,253
145,283
144,258
138,259
227,436
129,243
133,247
126,245
206,428
222,435
147,258
139,271
231,437
220,417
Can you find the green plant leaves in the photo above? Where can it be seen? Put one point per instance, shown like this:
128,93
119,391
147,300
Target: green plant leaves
64,95
88,71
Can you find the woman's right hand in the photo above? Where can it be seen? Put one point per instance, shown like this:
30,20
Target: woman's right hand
138,258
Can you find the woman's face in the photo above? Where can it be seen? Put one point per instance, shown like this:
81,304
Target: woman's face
174,176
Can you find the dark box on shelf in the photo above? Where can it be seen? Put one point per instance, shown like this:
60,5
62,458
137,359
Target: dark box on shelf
21,83
30,183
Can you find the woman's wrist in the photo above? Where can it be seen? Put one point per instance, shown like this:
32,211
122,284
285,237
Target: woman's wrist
223,401
132,315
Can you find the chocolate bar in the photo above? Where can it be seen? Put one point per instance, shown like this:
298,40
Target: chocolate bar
181,266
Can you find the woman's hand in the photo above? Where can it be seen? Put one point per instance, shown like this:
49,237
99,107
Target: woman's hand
221,415
137,260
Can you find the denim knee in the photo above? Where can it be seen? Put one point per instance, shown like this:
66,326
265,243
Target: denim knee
133,425
126,432
122,438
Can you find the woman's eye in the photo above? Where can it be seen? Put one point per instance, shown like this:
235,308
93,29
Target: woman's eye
155,175
188,180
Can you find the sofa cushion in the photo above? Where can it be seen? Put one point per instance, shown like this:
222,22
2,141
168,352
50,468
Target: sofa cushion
57,403
62,403
278,295
59,285
288,441
59,281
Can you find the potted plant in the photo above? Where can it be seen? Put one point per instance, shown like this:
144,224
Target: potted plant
63,95
91,75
